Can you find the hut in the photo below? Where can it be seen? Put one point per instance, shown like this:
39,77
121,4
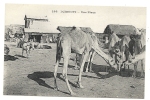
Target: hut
120,30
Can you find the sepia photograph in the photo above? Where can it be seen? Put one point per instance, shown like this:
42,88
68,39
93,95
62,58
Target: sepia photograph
74,51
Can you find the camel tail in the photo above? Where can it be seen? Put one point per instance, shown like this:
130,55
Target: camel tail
58,51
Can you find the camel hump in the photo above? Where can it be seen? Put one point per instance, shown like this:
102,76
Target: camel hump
76,28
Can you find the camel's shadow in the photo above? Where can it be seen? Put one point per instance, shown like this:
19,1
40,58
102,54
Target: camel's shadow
36,76
95,69
20,56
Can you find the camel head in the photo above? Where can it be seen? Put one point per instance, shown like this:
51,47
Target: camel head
99,51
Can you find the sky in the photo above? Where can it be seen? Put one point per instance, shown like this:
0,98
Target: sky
103,15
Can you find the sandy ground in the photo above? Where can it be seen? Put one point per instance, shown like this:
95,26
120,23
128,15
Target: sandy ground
34,77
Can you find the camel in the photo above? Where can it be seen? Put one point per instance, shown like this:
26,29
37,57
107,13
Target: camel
113,40
92,51
81,43
139,54
132,51
91,57
113,44
123,52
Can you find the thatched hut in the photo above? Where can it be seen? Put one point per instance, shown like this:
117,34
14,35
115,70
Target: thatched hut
121,30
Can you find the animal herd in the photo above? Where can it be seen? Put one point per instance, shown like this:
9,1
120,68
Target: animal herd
126,49
85,45
122,52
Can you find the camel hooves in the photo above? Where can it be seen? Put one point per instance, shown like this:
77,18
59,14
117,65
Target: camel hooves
89,71
55,88
73,94
79,85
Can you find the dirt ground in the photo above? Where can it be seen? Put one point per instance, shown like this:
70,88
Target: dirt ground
34,77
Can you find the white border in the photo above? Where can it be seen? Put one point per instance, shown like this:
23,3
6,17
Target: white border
131,3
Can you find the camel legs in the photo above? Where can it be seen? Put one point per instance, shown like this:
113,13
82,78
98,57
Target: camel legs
22,52
27,52
135,69
142,68
84,57
91,56
66,55
76,62
128,70
89,61
55,75
65,67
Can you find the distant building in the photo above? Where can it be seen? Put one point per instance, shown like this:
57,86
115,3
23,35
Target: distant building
39,29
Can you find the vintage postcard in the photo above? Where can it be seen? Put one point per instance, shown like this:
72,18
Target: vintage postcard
74,51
